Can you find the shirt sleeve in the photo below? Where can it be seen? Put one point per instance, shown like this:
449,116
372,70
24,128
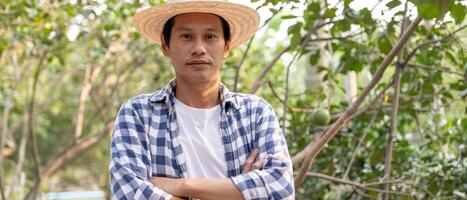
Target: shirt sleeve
130,162
275,180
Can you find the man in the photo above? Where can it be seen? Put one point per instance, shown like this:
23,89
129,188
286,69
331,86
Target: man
194,138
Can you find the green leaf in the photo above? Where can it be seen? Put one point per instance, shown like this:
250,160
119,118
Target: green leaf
427,88
296,38
275,24
289,17
366,17
295,28
295,31
314,7
437,78
428,11
347,3
458,12
330,13
342,26
384,44
393,3
314,58
273,11
3,44
451,57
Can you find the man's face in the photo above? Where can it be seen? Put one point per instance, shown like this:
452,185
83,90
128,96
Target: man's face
197,47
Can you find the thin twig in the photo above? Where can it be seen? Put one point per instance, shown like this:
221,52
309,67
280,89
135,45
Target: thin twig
21,154
245,53
35,154
267,68
412,53
237,68
6,114
360,192
278,97
286,95
270,18
395,107
352,183
441,69
335,38
359,144
392,131
99,108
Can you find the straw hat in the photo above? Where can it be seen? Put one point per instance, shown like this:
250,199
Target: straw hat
243,20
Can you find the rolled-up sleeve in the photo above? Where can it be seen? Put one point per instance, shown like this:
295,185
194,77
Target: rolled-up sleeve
275,180
130,163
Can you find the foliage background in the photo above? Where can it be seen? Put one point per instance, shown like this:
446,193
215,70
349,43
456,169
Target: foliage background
67,66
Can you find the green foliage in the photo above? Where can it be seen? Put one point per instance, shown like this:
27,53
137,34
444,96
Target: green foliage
458,12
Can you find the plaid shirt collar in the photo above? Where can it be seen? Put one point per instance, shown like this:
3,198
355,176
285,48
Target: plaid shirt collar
167,96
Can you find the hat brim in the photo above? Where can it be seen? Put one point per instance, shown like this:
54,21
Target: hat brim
243,20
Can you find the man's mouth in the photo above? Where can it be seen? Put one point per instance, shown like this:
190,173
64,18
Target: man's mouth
198,62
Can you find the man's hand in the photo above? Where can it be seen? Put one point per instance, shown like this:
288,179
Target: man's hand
250,164
198,188
170,185
194,187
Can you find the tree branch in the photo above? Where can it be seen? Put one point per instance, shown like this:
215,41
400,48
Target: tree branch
359,144
392,131
35,154
306,38
74,150
441,69
237,68
266,69
277,95
395,108
301,155
353,183
335,38
6,116
412,53
286,95
336,126
89,77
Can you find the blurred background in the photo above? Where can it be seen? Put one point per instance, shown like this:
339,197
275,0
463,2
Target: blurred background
67,66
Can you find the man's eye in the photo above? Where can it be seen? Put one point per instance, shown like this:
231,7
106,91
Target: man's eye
210,37
185,36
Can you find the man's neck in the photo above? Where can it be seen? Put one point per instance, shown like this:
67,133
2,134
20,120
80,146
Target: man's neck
202,95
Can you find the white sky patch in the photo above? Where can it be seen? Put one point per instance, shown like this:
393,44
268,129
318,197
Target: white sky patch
73,32
52,35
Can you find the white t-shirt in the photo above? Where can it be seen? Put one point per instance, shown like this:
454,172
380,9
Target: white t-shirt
201,141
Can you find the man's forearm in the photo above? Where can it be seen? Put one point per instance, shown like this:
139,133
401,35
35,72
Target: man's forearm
199,188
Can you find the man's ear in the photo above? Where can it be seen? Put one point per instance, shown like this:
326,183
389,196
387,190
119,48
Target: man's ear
165,47
227,49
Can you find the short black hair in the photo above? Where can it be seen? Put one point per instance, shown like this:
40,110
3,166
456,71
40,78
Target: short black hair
171,22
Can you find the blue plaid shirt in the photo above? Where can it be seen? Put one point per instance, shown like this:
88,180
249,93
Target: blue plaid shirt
145,143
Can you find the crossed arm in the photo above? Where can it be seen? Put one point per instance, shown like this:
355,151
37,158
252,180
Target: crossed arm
207,188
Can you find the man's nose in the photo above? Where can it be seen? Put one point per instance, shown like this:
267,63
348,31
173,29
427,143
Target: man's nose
199,47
